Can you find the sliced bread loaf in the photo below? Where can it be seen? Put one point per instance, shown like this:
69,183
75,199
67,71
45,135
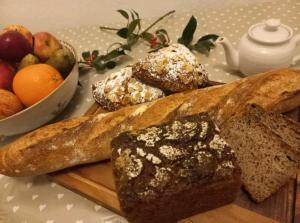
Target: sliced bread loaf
266,148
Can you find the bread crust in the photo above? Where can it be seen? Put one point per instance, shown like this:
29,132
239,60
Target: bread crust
276,90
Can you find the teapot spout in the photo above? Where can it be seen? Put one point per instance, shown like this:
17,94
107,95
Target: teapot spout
232,56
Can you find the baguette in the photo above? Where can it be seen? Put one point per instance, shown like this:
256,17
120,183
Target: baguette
87,139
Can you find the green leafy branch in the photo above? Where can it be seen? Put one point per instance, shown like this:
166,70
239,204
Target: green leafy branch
132,32
203,45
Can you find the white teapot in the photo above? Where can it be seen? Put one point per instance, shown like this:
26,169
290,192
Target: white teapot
266,46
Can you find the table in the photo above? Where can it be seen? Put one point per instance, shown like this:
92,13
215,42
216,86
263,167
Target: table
35,200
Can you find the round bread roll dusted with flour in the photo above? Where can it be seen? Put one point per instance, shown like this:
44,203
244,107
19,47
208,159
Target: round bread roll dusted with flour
122,89
173,69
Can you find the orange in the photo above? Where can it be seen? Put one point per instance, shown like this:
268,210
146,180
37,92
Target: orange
35,82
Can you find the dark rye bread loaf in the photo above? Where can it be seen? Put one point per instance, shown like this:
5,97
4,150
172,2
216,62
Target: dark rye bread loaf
267,148
172,171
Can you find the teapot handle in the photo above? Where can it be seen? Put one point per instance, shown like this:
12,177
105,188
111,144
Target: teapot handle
296,60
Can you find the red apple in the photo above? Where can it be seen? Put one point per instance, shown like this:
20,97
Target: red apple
7,73
45,45
13,46
21,29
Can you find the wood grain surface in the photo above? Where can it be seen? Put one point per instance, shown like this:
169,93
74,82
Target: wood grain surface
95,181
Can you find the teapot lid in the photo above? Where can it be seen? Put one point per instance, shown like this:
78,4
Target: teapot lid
270,31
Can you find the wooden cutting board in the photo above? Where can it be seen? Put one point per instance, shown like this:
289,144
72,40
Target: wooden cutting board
95,181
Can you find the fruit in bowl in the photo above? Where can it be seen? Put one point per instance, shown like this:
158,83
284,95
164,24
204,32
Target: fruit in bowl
45,82
62,60
29,59
21,29
35,82
45,45
9,104
13,46
7,73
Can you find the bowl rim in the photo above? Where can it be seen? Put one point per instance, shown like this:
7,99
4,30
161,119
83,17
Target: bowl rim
66,44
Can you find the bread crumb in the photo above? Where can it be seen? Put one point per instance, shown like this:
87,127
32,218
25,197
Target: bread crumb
202,156
131,165
185,106
119,151
217,143
174,132
141,152
200,145
228,164
70,143
162,177
153,159
170,152
99,117
52,147
150,136
204,128
140,110
134,170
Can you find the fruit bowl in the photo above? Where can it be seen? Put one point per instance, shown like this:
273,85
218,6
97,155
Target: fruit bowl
46,109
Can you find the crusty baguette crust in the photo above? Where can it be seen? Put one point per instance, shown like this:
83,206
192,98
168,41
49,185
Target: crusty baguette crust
87,139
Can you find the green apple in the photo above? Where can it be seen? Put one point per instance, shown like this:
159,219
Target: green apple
29,59
63,60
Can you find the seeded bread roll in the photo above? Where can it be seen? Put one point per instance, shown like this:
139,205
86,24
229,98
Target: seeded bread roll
169,172
172,69
121,89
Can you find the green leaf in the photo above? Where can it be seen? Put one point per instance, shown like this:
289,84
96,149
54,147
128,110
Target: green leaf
99,64
95,53
114,54
111,64
134,15
188,32
123,13
137,14
161,31
205,44
147,36
123,33
132,26
163,36
86,55
211,37
126,47
132,39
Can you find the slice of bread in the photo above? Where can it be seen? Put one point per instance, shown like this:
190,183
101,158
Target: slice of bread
267,148
287,129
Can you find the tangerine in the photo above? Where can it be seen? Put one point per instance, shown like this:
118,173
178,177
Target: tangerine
35,82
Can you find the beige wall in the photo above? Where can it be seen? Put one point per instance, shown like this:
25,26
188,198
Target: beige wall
42,15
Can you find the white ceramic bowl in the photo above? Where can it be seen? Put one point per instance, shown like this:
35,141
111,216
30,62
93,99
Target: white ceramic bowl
46,109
